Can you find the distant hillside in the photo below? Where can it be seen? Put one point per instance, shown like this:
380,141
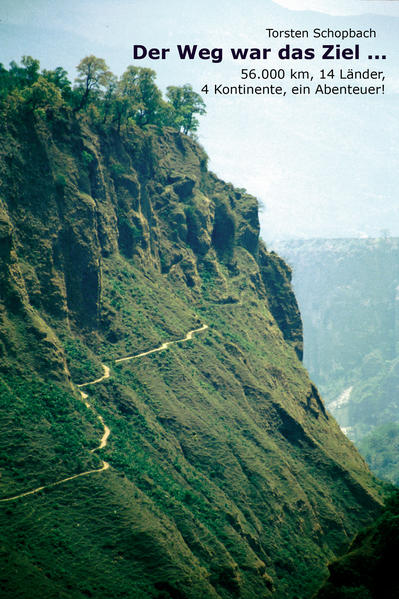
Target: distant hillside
348,295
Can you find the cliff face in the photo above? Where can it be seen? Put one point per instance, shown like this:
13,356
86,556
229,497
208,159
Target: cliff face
227,478
85,198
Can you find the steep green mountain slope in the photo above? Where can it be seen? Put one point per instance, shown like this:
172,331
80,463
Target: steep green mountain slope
368,570
347,291
227,477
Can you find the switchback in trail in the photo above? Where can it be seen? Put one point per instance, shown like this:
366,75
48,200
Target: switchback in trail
162,347
107,431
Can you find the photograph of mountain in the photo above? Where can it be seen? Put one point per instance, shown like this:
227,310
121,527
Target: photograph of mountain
199,275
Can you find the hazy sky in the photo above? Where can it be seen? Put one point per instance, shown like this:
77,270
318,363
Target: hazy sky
321,166
344,7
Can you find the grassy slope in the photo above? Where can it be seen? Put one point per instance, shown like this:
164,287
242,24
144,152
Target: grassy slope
227,478
368,569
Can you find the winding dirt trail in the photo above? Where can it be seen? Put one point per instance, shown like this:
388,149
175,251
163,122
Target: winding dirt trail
163,346
103,442
107,430
105,466
106,375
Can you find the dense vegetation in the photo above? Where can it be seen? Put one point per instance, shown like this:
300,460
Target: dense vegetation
368,570
134,98
227,477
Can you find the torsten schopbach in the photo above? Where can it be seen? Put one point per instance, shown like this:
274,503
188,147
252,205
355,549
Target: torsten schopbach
318,33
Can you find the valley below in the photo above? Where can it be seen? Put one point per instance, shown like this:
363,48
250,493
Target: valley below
348,295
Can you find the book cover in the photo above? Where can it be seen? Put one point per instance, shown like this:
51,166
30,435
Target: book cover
198,299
